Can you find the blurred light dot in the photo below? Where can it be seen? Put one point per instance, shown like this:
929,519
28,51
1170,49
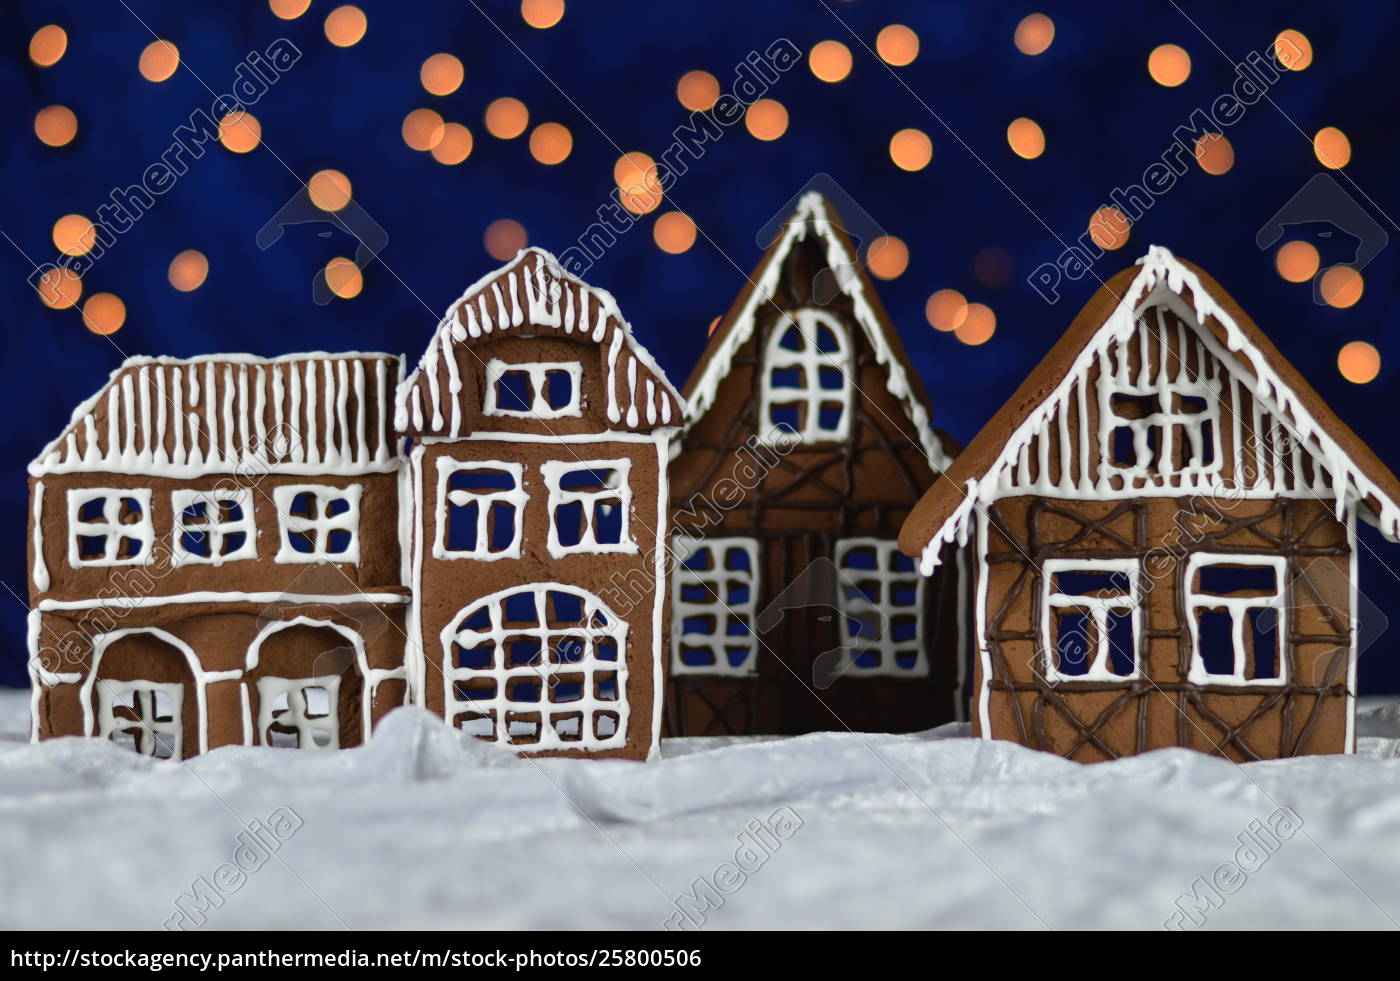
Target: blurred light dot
56,125
188,270
48,45
1109,228
1297,262
289,9
830,61
1293,50
911,149
1169,65
503,239
897,45
767,119
946,310
713,324
542,13
441,74
1359,362
636,169
1034,34
73,235
674,232
60,288
455,145
551,143
1214,153
1332,147
887,257
159,61
240,132
422,129
329,189
344,278
979,325
993,267
1026,137
1341,287
507,118
104,313
697,90
345,26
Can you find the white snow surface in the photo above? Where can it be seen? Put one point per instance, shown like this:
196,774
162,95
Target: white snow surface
427,828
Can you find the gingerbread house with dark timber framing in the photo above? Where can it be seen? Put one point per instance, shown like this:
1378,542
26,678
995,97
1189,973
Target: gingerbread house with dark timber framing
1162,526
807,440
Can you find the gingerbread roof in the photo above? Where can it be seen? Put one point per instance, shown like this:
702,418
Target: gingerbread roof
814,216
1341,465
533,294
313,413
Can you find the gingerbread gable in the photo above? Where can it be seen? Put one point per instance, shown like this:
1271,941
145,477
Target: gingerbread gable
234,413
814,217
1128,404
533,296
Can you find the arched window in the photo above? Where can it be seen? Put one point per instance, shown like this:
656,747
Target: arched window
540,667
805,388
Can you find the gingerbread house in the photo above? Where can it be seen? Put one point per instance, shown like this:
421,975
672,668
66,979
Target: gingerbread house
214,556
539,429
806,442
1162,522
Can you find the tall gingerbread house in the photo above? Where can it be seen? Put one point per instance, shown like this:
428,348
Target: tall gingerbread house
537,518
807,440
214,557
1162,522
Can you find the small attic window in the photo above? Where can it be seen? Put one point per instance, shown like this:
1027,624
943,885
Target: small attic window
533,390
1159,432
805,386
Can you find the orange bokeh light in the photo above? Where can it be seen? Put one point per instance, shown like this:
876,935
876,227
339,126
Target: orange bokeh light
674,232
1026,138
329,189
767,119
551,143
188,270
1169,65
240,132
887,257
159,61
289,9
442,74
1034,34
104,313
1293,50
345,26
1341,287
47,45
454,146
506,118
979,325
1215,154
830,61
897,45
1332,147
1109,228
946,310
56,125
911,149
542,14
504,238
1359,362
1297,262
344,278
422,129
60,288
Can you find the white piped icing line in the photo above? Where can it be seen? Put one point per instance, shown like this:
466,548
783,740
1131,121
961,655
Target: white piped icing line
40,573
212,414
532,291
1280,431
811,217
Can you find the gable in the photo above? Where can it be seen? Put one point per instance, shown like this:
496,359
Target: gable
1151,346
532,296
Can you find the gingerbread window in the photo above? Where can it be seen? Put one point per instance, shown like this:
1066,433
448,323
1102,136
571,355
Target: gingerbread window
881,601
1090,627
299,713
589,505
539,667
141,715
481,507
805,387
1236,613
213,526
714,596
109,527
1171,427
536,390
318,523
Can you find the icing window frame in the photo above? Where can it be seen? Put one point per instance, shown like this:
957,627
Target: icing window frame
216,530
1095,605
1244,607
808,365
318,527
489,505
865,599
297,713
1162,429
538,375
589,502
150,734
113,532
707,594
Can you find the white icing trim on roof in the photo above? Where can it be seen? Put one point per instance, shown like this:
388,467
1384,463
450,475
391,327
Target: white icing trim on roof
186,417
1161,269
536,276
811,213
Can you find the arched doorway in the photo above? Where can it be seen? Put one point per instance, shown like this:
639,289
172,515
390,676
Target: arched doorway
142,693
304,685
541,667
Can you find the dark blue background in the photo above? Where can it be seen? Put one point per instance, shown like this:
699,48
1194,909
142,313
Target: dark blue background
1104,119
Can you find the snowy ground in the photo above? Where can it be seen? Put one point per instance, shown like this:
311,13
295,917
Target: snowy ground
427,829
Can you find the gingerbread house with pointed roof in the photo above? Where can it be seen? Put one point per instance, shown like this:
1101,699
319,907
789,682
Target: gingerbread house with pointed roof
1162,527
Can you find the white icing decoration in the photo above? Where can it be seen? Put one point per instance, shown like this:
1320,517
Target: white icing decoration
320,526
150,700
538,371
213,526
109,526
297,713
853,604
718,607
41,568
1098,609
516,496
1237,607
808,393
554,471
